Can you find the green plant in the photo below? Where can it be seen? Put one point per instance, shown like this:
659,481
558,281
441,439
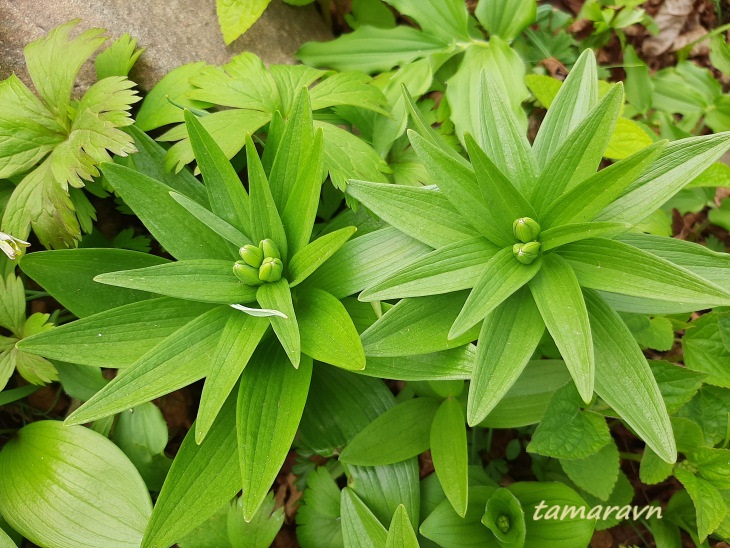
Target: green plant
54,142
524,228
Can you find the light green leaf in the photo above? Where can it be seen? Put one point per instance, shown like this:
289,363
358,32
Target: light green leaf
360,527
270,405
115,338
502,276
507,340
596,473
449,453
12,304
624,379
201,480
614,266
708,501
371,49
436,366
177,231
417,326
574,101
445,19
628,138
348,88
401,533
261,531
318,517
309,258
212,221
565,234
205,280
409,422
705,351
677,384
506,18
227,197
405,207
639,86
451,268
117,59
277,296
89,476
179,360
566,432
327,332
239,339
446,528
503,504
237,16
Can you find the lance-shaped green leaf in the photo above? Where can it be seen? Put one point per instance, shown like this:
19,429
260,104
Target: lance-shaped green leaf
437,366
360,527
565,234
179,360
226,195
201,480
502,276
577,97
609,265
327,332
504,202
457,181
559,298
500,136
270,405
177,231
417,326
68,275
625,381
294,148
507,340
212,221
309,258
680,162
205,280
408,422
406,208
240,337
587,199
303,198
116,338
401,533
581,153
88,475
450,268
449,453
365,260
445,19
265,218
277,296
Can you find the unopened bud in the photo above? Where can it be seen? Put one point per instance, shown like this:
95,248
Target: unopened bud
246,273
252,255
526,229
269,249
271,270
526,253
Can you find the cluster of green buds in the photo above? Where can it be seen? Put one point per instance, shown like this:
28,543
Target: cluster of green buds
526,230
260,263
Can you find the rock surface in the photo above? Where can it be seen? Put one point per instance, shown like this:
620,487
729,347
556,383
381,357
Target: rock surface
174,32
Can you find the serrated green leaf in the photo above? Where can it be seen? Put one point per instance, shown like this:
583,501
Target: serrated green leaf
678,385
115,338
449,453
90,477
709,504
596,473
270,405
277,296
180,359
507,340
624,379
318,518
560,302
236,16
117,59
205,280
327,332
705,351
502,276
409,422
238,341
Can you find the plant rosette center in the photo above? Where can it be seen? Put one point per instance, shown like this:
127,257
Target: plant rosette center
260,264
526,230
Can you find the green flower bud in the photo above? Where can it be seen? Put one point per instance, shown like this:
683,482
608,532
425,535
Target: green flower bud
269,249
271,270
252,255
503,523
526,229
246,273
526,253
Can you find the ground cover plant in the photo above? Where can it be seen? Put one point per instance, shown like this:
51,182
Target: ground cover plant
459,279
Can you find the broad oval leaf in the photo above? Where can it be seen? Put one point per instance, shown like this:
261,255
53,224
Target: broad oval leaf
87,475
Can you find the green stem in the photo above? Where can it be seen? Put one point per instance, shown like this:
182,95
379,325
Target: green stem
630,456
